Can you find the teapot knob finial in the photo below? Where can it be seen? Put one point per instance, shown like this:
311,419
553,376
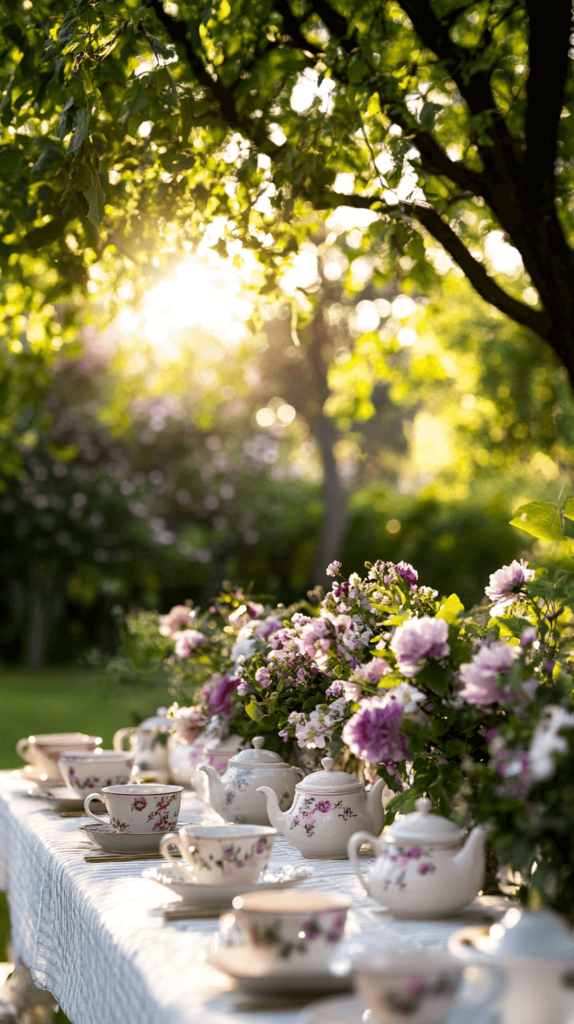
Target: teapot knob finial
327,763
423,804
258,742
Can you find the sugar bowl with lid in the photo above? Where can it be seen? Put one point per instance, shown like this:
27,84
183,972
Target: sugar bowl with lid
422,867
236,796
328,807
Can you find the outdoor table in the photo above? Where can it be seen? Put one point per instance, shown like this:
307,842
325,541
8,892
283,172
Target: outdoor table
92,934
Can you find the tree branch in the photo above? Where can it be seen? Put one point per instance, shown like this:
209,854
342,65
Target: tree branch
485,285
548,47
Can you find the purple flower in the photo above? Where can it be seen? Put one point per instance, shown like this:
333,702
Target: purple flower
268,627
333,568
177,618
373,733
262,676
418,639
507,584
528,636
481,675
228,852
415,852
323,806
139,804
220,700
243,688
424,868
405,571
188,642
260,846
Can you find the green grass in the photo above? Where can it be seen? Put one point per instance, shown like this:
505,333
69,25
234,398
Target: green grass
64,700
67,700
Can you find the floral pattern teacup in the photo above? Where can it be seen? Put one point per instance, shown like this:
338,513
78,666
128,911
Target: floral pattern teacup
138,808
408,988
221,854
88,772
291,931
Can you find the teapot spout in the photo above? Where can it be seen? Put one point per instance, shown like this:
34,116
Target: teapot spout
375,808
215,788
277,818
469,862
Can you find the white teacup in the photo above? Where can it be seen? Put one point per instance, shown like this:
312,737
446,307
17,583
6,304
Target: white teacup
88,772
415,986
44,750
221,854
138,808
291,930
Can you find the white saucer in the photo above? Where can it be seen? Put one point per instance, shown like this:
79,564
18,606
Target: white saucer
220,896
341,1010
126,842
63,798
240,964
30,773
352,1010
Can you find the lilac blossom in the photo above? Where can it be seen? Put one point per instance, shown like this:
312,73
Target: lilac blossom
419,639
373,733
188,642
481,676
508,583
177,618
333,568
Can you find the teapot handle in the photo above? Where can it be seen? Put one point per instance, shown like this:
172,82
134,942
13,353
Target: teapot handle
119,737
353,847
298,771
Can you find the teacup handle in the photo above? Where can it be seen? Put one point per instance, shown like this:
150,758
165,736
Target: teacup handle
172,839
353,847
88,801
22,748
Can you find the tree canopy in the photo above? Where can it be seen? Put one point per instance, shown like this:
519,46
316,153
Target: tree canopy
130,130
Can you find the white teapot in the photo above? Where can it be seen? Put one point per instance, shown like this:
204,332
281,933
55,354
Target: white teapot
148,741
422,868
528,959
236,796
328,807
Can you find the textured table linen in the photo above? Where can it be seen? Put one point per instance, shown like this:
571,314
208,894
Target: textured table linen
92,934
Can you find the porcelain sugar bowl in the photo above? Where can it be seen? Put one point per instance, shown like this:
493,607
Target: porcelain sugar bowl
328,807
235,795
422,867
523,966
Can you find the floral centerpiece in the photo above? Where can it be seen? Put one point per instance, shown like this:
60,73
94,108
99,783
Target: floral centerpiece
473,708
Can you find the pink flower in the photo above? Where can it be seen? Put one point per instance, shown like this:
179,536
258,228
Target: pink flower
373,671
323,806
243,688
188,642
481,675
333,568
419,639
507,584
373,733
177,618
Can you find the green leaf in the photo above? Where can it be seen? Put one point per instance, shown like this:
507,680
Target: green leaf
450,609
428,114
541,519
95,198
255,711
82,118
569,508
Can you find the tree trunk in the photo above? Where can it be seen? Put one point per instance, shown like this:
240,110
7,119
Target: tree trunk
37,632
335,504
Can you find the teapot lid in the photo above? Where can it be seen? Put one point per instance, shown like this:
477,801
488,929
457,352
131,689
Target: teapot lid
257,757
157,721
423,827
527,933
329,781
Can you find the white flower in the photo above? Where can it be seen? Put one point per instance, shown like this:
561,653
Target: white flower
546,741
333,568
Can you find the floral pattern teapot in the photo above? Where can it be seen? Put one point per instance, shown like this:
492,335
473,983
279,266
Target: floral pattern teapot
328,807
236,794
422,867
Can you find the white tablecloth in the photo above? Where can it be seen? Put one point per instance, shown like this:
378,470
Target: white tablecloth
92,934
